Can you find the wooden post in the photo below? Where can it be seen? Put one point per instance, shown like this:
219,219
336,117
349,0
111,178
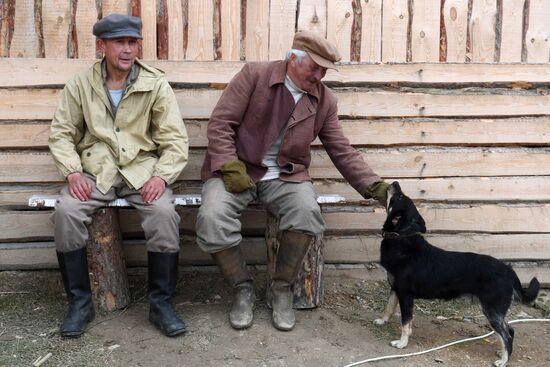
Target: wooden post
106,262
308,288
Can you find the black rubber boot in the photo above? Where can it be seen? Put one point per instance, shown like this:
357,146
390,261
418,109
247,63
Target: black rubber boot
293,247
74,272
233,268
163,269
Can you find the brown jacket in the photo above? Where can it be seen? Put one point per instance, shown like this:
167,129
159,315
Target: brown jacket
254,108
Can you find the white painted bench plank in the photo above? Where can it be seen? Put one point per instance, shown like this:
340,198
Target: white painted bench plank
49,201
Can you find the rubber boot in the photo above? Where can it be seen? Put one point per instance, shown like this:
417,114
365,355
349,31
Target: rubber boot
74,272
293,247
162,270
233,268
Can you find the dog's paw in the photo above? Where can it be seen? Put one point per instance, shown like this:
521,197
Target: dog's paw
380,321
499,363
398,344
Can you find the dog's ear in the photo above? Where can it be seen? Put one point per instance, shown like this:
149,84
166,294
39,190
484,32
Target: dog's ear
413,220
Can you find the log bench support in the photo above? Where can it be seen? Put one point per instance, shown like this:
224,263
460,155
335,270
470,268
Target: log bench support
107,267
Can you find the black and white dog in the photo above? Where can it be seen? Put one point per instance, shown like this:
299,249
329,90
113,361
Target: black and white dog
417,269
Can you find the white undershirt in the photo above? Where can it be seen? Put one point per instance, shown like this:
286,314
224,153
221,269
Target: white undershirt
116,96
270,157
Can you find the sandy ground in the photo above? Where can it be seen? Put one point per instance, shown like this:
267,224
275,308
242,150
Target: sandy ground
339,333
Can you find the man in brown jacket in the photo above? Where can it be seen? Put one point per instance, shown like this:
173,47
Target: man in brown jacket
259,139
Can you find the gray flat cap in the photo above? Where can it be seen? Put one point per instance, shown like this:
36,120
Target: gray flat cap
118,26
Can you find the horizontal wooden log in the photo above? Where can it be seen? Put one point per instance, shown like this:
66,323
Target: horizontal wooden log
40,104
337,249
375,272
31,72
451,189
379,132
486,189
488,218
41,255
26,167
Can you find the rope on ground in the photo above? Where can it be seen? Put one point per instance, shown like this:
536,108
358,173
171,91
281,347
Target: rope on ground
440,347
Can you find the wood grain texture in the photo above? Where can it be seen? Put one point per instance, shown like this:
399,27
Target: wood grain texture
282,14
201,31
513,189
425,31
538,33
455,15
24,42
395,21
85,18
230,30
115,6
149,18
396,163
313,17
41,255
482,30
339,26
512,31
361,132
504,219
40,104
45,72
56,17
257,30
371,31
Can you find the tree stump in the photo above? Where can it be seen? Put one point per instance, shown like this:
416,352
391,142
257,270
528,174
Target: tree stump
106,264
308,288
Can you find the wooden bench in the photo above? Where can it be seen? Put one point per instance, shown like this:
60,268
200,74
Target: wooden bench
108,268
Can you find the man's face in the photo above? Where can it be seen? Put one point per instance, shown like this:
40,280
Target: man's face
120,53
307,74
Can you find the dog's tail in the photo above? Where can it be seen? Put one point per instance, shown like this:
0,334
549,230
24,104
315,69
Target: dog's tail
530,294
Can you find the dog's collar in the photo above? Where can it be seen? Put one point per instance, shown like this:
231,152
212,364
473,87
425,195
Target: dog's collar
397,235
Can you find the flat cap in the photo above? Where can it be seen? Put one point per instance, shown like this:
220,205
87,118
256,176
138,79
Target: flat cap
118,26
319,49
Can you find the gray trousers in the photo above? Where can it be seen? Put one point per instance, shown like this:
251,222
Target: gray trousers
218,226
159,220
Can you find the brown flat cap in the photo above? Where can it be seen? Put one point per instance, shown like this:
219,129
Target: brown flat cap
319,49
118,26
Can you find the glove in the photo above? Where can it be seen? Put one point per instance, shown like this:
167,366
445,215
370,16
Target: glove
235,177
378,191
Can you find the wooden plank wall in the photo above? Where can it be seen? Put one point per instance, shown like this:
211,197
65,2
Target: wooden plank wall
232,30
449,98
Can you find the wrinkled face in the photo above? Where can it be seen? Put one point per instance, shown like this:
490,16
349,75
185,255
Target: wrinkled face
306,74
403,217
120,53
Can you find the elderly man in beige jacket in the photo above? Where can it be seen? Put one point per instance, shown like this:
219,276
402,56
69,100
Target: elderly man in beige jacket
118,132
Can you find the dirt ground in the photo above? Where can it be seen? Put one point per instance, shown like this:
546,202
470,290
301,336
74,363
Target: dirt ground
339,333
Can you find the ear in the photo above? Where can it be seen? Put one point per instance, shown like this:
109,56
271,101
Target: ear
100,45
415,222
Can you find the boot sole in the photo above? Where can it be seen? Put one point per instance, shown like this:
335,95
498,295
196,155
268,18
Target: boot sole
76,334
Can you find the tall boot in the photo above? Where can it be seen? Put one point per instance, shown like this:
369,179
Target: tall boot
293,247
162,270
74,272
233,268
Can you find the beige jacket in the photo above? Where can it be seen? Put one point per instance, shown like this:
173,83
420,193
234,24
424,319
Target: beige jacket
145,137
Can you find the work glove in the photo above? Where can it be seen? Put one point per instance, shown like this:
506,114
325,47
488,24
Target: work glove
235,177
378,191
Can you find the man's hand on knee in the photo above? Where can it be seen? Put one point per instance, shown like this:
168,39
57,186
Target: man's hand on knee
153,189
235,178
79,186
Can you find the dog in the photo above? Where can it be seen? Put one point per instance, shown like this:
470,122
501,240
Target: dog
417,269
